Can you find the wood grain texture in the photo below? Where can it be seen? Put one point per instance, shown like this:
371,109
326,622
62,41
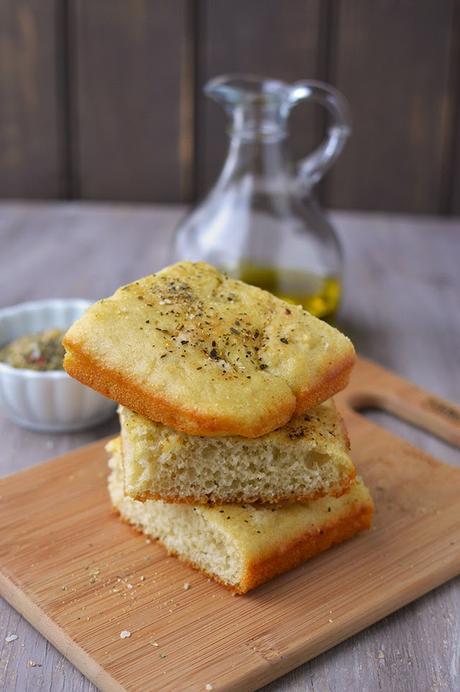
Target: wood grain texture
257,38
31,105
400,307
130,99
392,59
81,576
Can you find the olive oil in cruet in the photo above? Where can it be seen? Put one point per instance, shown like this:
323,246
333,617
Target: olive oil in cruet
261,222
317,294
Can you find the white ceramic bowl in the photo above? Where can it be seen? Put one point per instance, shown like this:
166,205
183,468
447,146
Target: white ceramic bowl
48,401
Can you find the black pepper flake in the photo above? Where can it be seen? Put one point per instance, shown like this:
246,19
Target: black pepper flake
284,340
258,531
214,343
263,366
147,321
200,368
184,341
140,297
256,334
233,330
328,509
213,354
287,311
164,355
296,434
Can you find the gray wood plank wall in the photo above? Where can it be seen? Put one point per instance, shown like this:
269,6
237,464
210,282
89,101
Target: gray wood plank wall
102,99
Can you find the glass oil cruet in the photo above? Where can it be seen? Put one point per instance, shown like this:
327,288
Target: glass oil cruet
261,222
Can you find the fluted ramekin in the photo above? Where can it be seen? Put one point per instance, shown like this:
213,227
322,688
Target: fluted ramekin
49,401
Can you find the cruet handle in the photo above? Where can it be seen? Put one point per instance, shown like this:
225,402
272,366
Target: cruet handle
313,167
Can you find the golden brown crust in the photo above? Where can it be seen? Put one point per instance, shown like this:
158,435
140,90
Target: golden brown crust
292,554
307,546
115,386
334,381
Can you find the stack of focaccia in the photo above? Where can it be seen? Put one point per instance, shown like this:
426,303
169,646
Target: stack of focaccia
231,452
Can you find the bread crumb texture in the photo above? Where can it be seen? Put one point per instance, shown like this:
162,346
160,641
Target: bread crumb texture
243,546
205,354
306,458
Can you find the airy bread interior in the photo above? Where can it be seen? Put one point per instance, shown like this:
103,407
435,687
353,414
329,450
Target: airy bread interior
305,459
243,546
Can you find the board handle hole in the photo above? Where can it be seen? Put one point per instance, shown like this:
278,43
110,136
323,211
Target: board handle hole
413,432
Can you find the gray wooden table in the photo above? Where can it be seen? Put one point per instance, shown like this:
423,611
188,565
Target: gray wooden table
401,307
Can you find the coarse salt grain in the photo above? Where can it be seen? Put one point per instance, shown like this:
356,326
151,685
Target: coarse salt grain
11,638
186,586
208,686
124,634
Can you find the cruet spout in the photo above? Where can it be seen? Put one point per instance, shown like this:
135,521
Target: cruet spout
256,105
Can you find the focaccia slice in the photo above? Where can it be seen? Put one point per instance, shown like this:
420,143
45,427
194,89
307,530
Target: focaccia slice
307,458
243,547
205,354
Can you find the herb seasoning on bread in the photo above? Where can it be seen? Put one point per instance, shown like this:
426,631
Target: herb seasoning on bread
193,349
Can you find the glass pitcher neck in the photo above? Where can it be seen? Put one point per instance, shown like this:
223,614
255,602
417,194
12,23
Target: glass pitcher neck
257,108
252,155
258,122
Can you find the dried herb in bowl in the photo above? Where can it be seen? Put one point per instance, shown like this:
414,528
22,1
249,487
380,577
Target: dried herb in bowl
41,351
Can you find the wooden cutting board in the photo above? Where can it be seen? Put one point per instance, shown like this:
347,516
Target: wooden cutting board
80,576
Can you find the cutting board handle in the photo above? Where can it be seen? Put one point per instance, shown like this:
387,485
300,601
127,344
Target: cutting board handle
379,388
